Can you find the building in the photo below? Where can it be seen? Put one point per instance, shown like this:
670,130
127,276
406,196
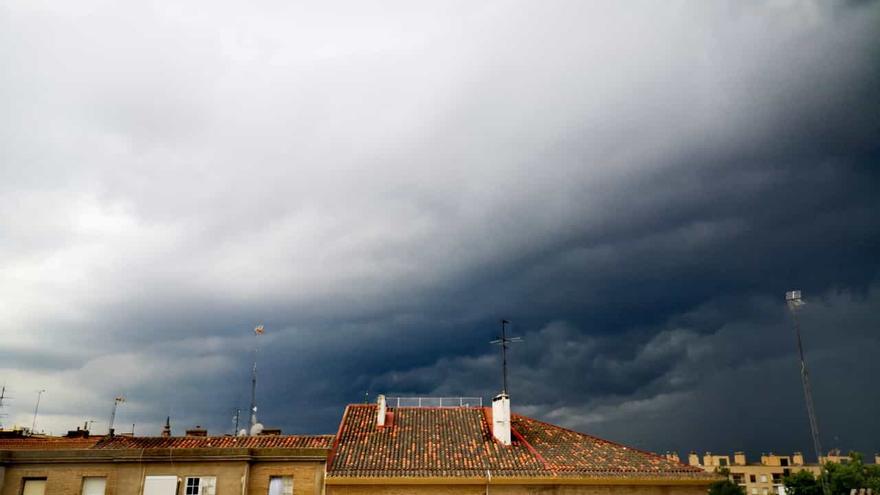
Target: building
188,465
377,450
764,477
476,450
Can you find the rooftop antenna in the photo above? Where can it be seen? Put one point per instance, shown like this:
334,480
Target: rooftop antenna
503,341
36,409
2,398
236,416
116,401
256,427
795,302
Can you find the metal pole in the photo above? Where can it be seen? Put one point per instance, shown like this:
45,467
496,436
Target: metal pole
793,298
504,354
36,408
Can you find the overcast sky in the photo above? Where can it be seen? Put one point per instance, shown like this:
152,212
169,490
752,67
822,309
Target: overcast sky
634,185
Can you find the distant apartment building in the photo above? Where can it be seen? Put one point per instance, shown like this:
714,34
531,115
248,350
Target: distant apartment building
764,477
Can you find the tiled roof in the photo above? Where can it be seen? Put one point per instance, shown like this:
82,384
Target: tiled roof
225,442
48,443
458,442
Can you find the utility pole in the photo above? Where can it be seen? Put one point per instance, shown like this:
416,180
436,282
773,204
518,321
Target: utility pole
795,302
36,409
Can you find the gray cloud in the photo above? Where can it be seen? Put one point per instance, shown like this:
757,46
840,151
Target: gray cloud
634,187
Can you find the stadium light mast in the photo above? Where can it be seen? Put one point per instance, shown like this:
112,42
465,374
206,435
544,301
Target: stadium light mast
794,301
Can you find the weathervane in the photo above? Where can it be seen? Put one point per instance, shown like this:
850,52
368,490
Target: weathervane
503,341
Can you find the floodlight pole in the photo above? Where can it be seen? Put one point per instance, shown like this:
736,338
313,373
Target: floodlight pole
36,409
794,301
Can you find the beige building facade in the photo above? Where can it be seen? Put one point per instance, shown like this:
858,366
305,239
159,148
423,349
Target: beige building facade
198,468
766,476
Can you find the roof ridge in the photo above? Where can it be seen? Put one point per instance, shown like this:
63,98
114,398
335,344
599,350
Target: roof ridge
610,442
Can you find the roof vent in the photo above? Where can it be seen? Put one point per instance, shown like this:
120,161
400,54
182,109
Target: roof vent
380,411
501,418
198,431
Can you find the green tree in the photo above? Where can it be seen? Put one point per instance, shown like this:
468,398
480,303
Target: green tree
802,483
842,477
725,486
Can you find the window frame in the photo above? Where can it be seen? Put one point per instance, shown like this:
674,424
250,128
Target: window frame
282,477
82,486
200,485
24,481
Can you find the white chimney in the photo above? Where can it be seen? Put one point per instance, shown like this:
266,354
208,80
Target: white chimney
501,418
380,414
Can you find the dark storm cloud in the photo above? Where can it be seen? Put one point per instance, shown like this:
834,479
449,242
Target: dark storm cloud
634,187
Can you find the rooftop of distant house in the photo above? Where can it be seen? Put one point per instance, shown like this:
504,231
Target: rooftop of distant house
458,443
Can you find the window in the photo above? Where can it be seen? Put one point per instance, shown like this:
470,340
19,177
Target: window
765,491
94,485
281,485
784,461
160,485
34,486
752,478
203,485
738,478
754,491
722,461
763,478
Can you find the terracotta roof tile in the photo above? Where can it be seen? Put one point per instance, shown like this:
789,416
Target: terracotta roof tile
458,442
48,443
225,442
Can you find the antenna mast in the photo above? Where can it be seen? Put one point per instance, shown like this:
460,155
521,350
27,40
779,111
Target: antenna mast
2,397
258,330
116,401
794,301
36,408
503,341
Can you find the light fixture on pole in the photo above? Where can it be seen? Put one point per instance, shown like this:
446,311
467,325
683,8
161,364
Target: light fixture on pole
795,302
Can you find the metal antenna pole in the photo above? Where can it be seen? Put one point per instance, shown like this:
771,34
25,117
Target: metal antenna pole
794,301
503,342
36,408
116,401
258,330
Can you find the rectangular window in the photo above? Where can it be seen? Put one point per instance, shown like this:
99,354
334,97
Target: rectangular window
763,478
754,491
160,485
203,485
784,461
765,492
94,485
281,485
752,478
722,461
35,486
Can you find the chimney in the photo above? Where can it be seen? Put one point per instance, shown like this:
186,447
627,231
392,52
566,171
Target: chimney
198,431
380,411
693,459
166,430
797,459
501,418
673,456
739,458
707,459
